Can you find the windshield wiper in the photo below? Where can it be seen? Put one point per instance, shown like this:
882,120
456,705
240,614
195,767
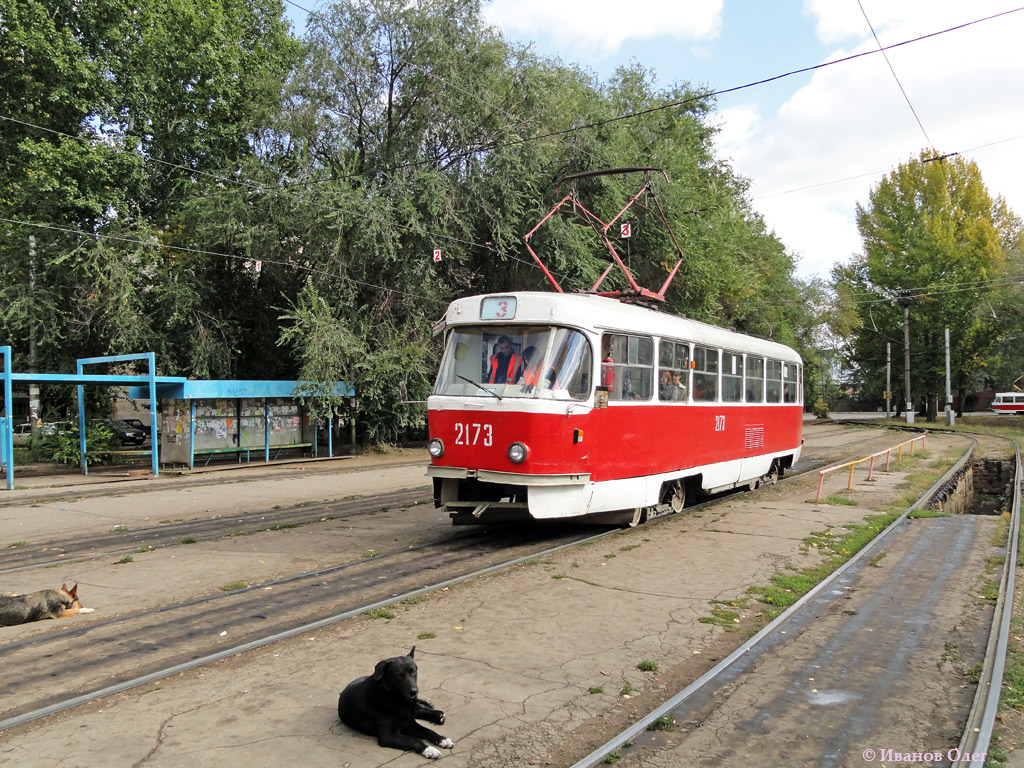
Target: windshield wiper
479,386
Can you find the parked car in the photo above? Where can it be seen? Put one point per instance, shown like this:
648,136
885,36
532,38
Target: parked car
22,433
125,434
146,427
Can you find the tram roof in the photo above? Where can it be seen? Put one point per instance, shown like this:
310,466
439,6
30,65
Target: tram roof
600,313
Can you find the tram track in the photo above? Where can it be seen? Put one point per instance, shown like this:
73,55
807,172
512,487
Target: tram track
978,729
126,651
137,648
120,540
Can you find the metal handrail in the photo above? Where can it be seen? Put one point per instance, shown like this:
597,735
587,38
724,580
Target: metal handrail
871,465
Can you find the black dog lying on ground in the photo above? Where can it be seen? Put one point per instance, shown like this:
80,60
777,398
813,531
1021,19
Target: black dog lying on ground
385,705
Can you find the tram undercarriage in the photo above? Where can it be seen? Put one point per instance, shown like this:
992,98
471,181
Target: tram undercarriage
471,500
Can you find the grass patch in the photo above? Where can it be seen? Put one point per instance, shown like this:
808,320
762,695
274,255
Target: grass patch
837,498
610,555
925,514
380,613
234,586
595,689
628,547
14,544
425,636
722,617
124,560
368,554
663,723
558,576
626,690
647,666
612,757
1012,695
119,529
188,540
989,591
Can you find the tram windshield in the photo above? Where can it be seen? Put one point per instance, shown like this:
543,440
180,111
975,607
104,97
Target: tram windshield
516,361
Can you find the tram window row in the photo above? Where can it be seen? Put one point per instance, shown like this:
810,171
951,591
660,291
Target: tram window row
694,373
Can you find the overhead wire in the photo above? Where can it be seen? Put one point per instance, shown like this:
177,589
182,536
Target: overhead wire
895,76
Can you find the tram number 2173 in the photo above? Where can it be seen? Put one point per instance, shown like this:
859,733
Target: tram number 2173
473,434
720,423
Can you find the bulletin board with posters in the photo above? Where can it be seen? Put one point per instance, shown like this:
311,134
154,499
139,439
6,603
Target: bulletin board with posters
203,418
216,424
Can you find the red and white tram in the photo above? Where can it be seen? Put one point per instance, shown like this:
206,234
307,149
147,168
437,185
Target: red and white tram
576,406
1008,402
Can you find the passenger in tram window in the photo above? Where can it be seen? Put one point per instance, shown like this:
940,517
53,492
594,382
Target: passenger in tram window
504,362
667,390
677,382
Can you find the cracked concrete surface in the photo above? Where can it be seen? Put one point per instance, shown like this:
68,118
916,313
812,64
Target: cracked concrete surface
511,657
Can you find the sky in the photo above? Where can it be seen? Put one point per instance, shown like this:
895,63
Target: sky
812,144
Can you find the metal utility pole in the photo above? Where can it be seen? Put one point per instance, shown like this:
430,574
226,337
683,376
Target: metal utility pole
906,359
888,378
33,387
950,417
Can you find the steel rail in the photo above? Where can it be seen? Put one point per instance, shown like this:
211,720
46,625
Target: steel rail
120,687
598,755
977,736
259,642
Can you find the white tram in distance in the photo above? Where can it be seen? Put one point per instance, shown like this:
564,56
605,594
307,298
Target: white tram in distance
555,406
1008,402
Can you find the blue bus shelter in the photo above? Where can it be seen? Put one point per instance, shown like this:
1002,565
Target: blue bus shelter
196,417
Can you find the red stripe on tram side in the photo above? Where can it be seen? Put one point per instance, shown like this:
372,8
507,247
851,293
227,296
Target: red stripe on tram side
616,442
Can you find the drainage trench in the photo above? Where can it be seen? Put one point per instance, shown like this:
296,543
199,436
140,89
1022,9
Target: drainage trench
982,487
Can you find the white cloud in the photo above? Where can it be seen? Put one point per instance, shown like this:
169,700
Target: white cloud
592,29
852,119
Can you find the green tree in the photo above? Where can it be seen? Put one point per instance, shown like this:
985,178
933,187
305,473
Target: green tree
116,113
931,241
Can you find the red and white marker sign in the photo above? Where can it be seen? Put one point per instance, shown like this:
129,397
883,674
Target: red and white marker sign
437,254
625,229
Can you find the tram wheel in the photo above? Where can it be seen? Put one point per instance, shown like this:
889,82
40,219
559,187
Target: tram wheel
678,499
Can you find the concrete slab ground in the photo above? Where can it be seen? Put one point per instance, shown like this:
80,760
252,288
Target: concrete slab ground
534,665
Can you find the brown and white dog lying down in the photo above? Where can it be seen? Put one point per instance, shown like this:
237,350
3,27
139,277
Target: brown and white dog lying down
385,705
36,606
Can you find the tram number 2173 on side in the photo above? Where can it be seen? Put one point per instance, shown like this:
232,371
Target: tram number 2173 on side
473,434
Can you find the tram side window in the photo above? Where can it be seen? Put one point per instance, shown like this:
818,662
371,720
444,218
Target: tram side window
774,382
732,377
628,361
705,374
789,387
673,370
755,379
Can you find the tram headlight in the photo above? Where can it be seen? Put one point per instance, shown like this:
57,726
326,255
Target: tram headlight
436,448
517,453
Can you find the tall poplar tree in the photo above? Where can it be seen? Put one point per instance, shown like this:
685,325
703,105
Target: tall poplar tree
932,242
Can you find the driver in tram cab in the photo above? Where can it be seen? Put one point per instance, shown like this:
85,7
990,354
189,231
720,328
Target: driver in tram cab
504,362
529,373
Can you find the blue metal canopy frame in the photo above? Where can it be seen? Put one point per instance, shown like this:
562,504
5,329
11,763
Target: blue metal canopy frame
80,380
154,444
